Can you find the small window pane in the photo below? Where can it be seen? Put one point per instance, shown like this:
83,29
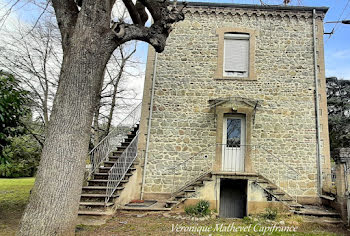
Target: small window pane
233,132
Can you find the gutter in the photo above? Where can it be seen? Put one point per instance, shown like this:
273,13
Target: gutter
149,125
317,103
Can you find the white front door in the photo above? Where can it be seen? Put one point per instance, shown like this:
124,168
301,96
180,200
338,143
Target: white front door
233,144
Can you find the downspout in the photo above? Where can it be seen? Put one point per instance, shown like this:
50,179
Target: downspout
319,164
149,125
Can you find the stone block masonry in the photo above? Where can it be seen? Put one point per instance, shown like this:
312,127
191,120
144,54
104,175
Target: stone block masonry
284,122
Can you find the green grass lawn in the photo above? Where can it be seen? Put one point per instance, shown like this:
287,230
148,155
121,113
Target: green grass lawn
14,195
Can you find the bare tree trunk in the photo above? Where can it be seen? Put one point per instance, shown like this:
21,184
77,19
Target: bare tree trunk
60,176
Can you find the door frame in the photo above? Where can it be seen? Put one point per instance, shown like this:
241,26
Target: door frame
221,112
246,191
241,117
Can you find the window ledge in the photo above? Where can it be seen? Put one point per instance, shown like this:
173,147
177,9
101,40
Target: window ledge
252,78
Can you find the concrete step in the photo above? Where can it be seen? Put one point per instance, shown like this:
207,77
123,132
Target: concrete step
296,206
271,187
318,213
105,180
198,183
126,208
97,195
99,188
207,179
106,174
95,213
169,204
189,190
102,204
262,181
279,194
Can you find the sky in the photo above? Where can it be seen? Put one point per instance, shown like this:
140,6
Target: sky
337,47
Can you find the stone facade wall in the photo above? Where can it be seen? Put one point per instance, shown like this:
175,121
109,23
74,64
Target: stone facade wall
284,123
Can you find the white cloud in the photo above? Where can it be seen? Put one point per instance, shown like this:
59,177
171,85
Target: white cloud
342,54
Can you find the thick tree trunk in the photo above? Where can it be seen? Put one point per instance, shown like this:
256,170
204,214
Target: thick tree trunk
54,200
88,42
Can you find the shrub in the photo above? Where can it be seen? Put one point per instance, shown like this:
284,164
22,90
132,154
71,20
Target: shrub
203,208
270,213
191,210
23,155
200,209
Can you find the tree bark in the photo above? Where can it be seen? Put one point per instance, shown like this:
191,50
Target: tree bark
53,205
87,42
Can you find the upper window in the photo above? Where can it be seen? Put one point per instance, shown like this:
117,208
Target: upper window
236,55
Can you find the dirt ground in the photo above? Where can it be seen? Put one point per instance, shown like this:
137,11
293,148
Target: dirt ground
138,223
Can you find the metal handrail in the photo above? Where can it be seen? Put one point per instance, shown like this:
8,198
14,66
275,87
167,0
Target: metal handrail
118,171
182,166
255,146
190,158
101,151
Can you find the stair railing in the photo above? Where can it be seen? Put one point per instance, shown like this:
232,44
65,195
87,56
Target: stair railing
274,169
186,172
118,171
191,169
102,150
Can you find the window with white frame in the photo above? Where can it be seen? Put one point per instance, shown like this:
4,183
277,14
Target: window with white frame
236,55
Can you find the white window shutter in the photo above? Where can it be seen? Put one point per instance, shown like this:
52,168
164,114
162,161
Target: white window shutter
236,54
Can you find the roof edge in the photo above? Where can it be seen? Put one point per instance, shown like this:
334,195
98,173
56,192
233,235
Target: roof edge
255,6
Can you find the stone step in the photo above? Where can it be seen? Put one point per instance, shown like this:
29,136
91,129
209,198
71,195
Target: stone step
102,204
96,195
318,213
95,213
271,187
198,183
109,162
99,188
189,190
262,181
278,193
180,195
105,169
207,179
171,203
105,175
296,205
126,208
106,180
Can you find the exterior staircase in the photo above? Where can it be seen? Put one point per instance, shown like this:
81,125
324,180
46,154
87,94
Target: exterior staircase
187,191
276,193
273,191
94,195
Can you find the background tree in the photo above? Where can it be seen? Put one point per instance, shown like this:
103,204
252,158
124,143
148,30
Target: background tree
12,108
34,54
338,100
19,153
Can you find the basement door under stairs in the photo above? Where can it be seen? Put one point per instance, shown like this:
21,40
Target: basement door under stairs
233,198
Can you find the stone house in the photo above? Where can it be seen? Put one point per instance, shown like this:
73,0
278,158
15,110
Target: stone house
234,111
